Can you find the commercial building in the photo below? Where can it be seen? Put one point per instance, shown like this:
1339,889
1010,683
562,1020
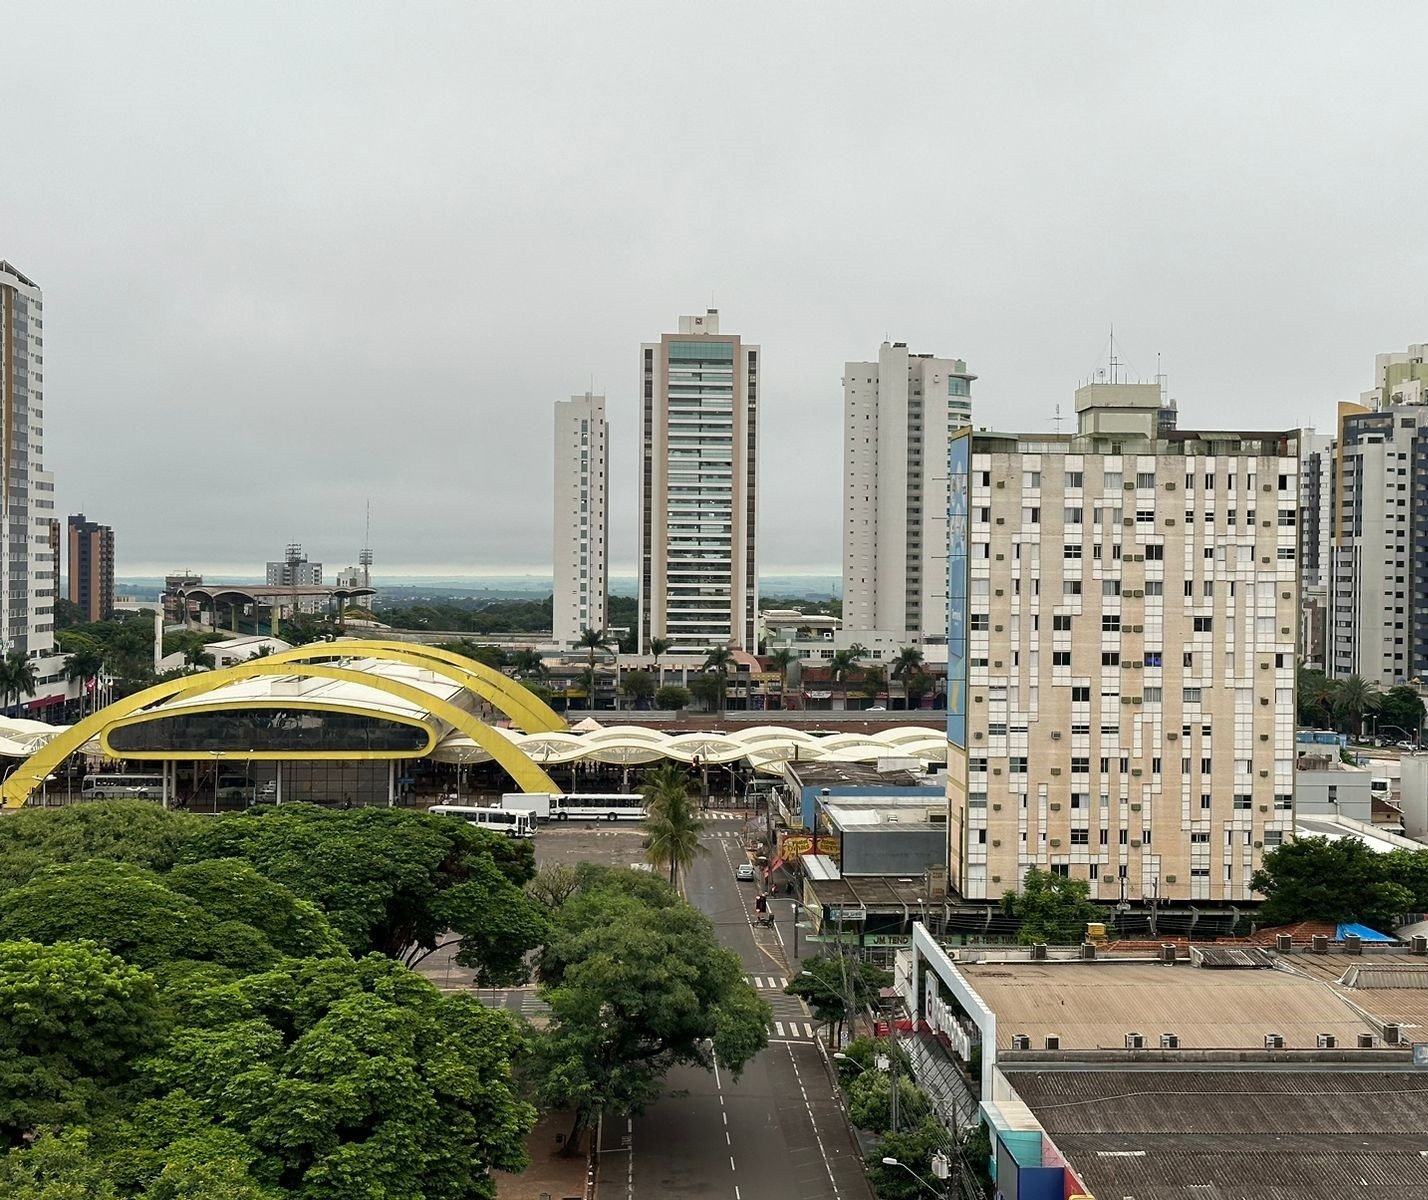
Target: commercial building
91,567
28,566
698,560
582,517
897,415
1128,624
1365,508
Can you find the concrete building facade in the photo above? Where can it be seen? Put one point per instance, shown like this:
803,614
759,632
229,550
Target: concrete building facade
897,415
1131,606
295,571
91,567
28,568
582,517
698,551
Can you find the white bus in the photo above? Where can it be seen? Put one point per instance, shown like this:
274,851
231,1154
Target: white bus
603,806
497,820
122,787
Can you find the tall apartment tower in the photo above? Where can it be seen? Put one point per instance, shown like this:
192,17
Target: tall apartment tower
296,572
27,566
698,562
582,515
91,567
897,415
1364,523
1130,610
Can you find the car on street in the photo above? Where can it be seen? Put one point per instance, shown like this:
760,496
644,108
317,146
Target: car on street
744,871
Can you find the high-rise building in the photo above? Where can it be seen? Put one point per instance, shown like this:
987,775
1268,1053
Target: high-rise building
91,567
897,415
296,572
582,513
1316,524
27,566
1364,523
1130,609
698,562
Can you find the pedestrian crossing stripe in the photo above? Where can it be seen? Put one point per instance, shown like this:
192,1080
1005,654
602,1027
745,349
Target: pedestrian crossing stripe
793,1029
771,982
715,814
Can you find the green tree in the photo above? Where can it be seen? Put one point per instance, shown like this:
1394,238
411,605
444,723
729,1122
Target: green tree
708,689
490,656
874,682
129,831
1400,713
673,697
782,660
553,885
869,1096
1315,698
393,881
916,684
642,987
1315,879
526,663
639,686
718,663
1051,908
672,827
84,664
59,1166
830,984
76,1019
593,641
17,678
658,647
1354,697
914,1148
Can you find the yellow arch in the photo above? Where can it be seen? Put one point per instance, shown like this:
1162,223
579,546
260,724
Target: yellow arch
26,777
530,713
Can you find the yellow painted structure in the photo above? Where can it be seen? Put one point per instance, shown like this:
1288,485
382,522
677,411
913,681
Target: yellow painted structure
505,694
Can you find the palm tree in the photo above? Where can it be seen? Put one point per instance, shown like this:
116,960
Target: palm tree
782,659
658,646
527,663
672,827
83,664
18,676
1316,697
719,660
915,685
593,640
1354,697
908,659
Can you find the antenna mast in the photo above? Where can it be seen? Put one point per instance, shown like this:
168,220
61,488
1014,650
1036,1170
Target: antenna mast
364,558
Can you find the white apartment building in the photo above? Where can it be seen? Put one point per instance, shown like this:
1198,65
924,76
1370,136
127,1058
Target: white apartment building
1369,482
698,562
1316,523
897,415
582,512
295,571
29,567
1131,608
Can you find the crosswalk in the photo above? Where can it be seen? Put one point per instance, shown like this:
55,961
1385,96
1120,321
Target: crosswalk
771,982
719,814
793,1031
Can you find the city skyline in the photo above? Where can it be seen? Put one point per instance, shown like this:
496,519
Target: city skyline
220,320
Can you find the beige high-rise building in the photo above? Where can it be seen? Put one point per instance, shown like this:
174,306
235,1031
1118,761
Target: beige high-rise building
698,561
582,512
897,415
1132,597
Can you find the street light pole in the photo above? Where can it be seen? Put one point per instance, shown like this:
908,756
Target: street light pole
893,1162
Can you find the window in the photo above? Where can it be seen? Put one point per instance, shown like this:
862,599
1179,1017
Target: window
1073,516
1284,802
1286,517
980,622
1273,837
997,729
1031,516
1153,658
1124,837
1145,479
1110,623
1080,837
1071,550
1155,553
1070,587
1080,766
1145,516
1154,587
1061,623
1031,479
1200,839
1080,800
1204,801
1244,803
1061,658
1110,658
1152,695
1111,479
1073,480
1080,695
1105,837
1204,624
1111,587
1017,765
1206,766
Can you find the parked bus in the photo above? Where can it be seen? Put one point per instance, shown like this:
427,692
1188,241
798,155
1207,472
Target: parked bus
497,820
122,787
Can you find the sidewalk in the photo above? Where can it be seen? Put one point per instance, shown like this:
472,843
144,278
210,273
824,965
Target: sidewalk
551,1175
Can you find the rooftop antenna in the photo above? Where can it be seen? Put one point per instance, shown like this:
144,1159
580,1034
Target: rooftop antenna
1056,420
1115,362
364,557
1160,378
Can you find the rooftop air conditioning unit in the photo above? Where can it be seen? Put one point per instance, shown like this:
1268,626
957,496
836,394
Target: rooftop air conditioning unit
1053,1041
1038,950
1319,943
1020,1042
1135,1041
1274,1041
1353,944
1327,1041
1167,952
1170,1041
1283,943
1366,1041
1418,944
1391,1034
1088,950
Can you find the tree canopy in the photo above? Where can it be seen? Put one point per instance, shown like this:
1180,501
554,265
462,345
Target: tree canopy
1051,908
1316,879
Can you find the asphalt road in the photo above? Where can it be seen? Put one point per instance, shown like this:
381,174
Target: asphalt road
776,1132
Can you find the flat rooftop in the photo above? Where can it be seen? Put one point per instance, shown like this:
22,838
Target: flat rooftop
1093,1005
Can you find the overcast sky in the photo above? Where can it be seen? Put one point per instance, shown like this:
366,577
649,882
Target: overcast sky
300,255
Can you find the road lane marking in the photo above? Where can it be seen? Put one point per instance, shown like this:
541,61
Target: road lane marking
813,1121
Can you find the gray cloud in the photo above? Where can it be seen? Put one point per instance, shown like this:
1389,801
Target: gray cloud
296,256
